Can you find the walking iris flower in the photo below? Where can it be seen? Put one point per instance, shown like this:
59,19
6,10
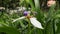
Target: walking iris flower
33,20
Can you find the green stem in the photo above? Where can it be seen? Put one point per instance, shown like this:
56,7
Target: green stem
29,29
53,27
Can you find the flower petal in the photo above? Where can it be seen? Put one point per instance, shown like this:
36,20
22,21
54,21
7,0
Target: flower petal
18,18
36,23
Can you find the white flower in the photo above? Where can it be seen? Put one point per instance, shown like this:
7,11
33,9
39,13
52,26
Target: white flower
21,8
33,20
18,18
2,8
36,23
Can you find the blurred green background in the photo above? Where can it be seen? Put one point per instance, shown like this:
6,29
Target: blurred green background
49,18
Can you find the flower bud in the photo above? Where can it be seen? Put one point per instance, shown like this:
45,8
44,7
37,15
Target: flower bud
25,13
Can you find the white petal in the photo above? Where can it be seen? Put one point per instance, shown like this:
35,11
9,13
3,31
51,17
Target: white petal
36,23
2,8
24,8
18,18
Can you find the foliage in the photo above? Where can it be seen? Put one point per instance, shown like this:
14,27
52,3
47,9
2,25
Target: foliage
49,21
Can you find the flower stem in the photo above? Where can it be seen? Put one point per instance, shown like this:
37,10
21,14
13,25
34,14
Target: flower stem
29,29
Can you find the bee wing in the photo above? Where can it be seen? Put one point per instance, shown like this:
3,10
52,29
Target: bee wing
36,23
18,19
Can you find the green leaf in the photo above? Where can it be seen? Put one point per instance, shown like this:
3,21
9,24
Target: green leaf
9,30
